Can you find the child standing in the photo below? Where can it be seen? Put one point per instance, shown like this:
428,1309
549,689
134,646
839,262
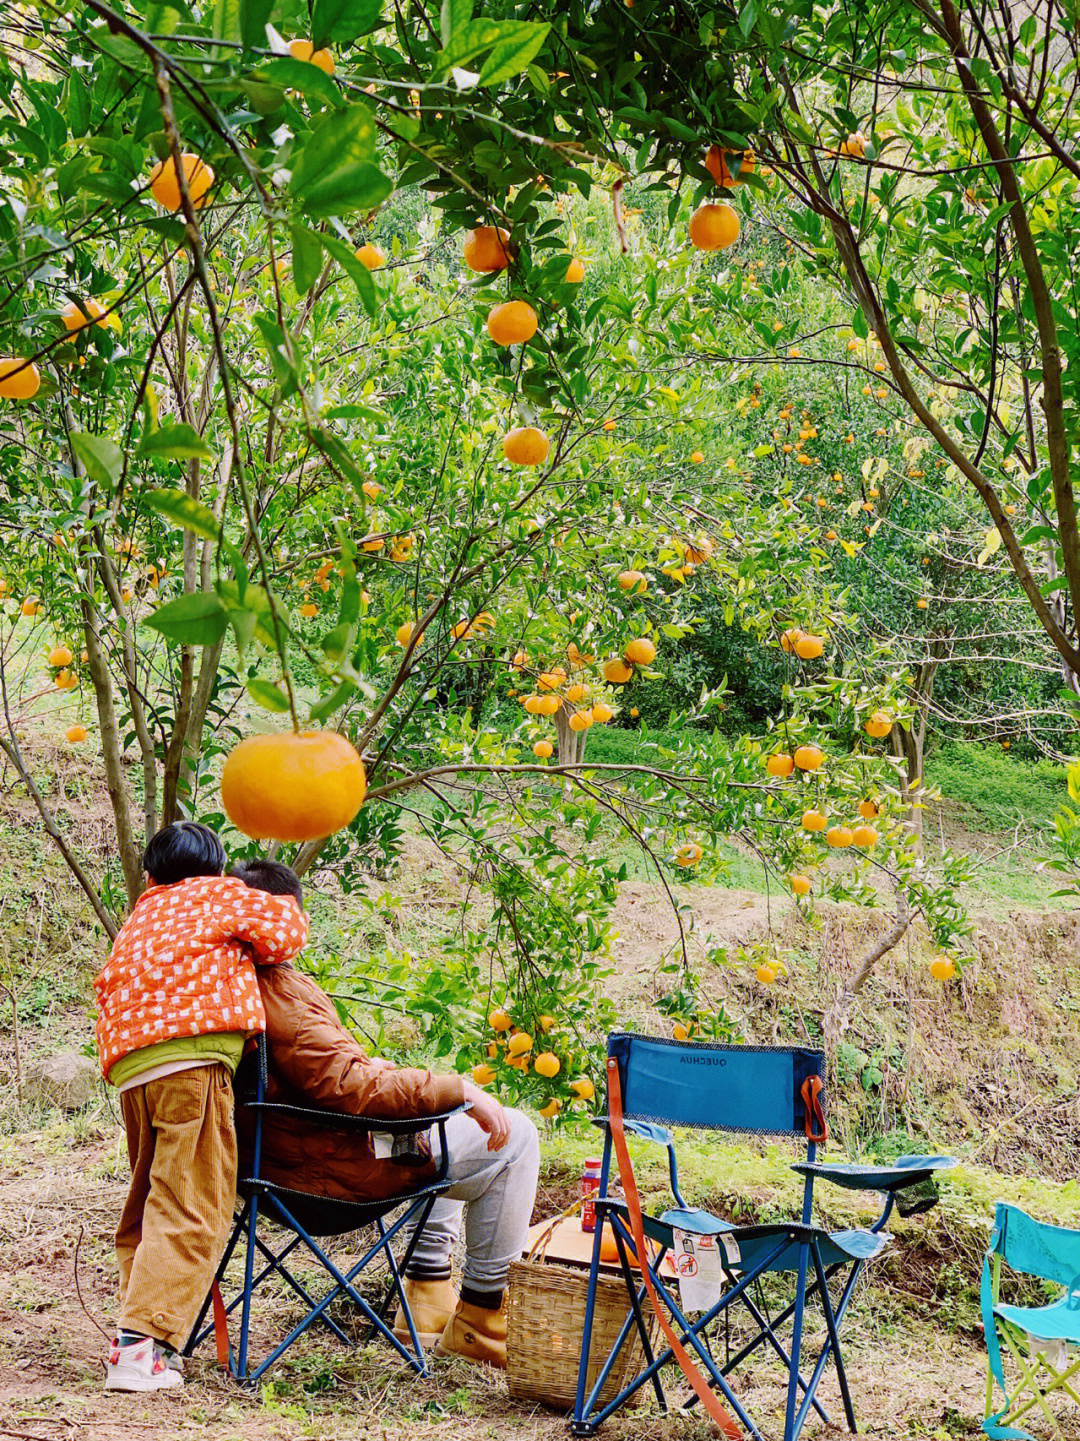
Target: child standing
177,999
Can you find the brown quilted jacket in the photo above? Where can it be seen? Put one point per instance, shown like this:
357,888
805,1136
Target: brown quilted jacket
314,1060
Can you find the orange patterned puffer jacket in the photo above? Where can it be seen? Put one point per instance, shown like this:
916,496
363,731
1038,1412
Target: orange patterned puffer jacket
182,963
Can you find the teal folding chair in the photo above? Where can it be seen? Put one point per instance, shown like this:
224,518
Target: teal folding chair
765,1091
1043,1341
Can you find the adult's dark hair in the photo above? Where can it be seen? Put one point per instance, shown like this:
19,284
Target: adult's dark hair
183,850
273,876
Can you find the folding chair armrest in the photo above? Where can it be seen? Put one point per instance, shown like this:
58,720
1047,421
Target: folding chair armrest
647,1130
909,1171
345,1120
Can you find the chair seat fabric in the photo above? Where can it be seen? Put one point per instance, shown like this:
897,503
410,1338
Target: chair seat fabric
327,1216
1060,1321
753,1243
905,1171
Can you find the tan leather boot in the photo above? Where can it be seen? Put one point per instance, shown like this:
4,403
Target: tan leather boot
475,1334
432,1304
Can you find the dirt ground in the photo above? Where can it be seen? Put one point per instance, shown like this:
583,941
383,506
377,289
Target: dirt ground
59,1197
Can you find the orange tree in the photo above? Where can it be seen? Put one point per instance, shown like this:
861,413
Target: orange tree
267,446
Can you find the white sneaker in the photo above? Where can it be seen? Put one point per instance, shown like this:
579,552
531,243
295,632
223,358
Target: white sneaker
140,1366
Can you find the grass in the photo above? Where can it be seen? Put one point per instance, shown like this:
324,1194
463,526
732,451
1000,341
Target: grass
994,791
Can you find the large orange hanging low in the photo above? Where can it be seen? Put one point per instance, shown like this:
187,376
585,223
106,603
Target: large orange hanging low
289,787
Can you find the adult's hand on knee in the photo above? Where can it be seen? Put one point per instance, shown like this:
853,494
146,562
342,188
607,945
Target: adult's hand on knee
489,1116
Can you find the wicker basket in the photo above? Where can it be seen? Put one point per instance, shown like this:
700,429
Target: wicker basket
545,1323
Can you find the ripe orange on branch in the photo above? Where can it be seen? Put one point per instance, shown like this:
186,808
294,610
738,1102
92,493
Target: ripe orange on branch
542,750
809,647
617,672
525,445
76,734
371,256
640,652
19,379
293,787
86,312
868,809
487,249
878,725
304,50
813,821
60,656
714,227
575,272
632,580
688,855
499,1021
800,885
809,758
547,1064
165,187
943,969
865,837
716,165
780,764
839,837
512,323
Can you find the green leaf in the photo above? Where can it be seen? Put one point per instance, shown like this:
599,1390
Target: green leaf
336,643
255,602
183,509
480,35
338,453
253,17
514,53
858,324
454,16
343,20
265,693
197,619
326,707
303,76
357,272
174,442
306,257
101,459
225,20
335,170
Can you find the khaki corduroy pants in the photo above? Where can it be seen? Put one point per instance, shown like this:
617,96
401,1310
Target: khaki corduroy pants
182,1147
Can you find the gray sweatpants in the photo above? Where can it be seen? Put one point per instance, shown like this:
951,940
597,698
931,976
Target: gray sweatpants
497,1187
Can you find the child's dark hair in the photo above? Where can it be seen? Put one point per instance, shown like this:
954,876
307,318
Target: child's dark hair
183,850
273,876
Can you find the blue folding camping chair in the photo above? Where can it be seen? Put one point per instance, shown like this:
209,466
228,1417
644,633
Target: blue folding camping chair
307,1216
1043,1341
766,1091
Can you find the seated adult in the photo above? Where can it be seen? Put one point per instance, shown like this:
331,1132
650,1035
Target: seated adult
493,1152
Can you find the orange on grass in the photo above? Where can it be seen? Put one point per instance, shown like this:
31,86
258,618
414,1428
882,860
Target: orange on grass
30,607
547,1064
371,256
602,713
800,885
519,1043
575,272
165,187
766,975
878,725
304,50
583,1088
542,750
688,855
779,764
865,837
680,1031
632,580
716,165
19,379
830,535
76,734
809,647
617,672
839,837
943,969
487,249
809,758
512,323
921,603
87,312
640,652
525,445
498,1020
868,809
60,656
813,821
483,1075
293,787
581,720
713,227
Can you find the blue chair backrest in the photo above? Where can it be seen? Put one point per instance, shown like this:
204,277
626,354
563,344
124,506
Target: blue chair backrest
1035,1248
755,1089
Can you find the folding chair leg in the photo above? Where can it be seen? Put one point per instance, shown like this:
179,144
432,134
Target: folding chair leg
636,1298
790,1433
1029,1375
768,1334
249,1271
397,1269
834,1336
